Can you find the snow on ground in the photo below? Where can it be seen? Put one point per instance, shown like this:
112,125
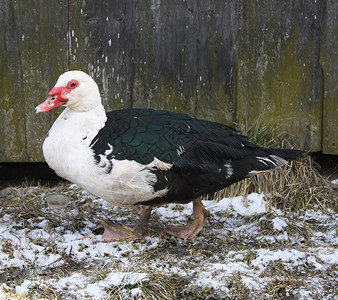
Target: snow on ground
246,250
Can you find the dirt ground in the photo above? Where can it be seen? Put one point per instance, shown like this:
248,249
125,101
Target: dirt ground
248,250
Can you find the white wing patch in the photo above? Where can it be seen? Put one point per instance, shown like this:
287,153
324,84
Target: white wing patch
273,161
266,161
279,161
108,151
180,150
229,170
161,164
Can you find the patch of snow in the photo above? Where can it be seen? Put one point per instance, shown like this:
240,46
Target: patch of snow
327,255
80,283
171,212
135,292
253,204
312,260
305,294
24,287
279,224
244,250
335,181
266,256
74,186
118,278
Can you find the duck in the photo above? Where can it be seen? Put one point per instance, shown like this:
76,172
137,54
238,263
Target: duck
145,158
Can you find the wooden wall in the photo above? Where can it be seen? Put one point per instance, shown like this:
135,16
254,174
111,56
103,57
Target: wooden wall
227,61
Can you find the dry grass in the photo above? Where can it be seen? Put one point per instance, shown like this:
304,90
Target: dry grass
297,186
216,244
157,286
294,187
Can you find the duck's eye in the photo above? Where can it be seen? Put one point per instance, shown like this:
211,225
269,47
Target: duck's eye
72,84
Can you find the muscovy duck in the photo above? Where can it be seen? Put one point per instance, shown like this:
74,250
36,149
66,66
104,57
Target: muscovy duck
145,158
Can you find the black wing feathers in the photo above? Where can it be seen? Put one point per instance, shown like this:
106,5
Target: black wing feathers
205,156
138,134
191,145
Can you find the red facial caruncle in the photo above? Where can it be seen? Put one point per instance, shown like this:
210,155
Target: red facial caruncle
57,96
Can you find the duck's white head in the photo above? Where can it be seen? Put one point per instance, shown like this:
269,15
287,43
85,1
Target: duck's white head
75,90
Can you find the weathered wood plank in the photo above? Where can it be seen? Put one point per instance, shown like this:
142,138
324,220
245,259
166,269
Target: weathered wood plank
185,57
217,65
101,43
27,71
40,69
329,63
12,113
220,60
278,69
165,55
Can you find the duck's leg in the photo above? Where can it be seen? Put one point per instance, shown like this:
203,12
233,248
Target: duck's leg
187,232
115,232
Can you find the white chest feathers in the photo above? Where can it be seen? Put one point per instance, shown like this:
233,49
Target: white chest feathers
69,138
67,151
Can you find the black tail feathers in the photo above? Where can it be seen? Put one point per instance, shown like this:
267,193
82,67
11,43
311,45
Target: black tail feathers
287,154
266,159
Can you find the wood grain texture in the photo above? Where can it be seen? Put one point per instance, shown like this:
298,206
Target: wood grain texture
185,57
166,55
217,60
33,53
101,43
329,64
227,61
278,68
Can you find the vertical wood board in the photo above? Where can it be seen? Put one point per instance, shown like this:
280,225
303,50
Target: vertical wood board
217,55
101,43
329,64
12,113
278,68
33,53
185,57
165,55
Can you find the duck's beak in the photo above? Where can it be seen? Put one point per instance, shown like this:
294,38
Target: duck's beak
56,98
